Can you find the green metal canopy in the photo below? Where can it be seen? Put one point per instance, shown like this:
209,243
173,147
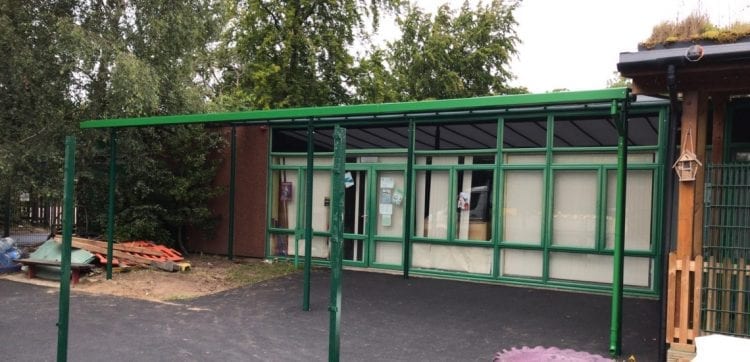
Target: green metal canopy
360,110
617,98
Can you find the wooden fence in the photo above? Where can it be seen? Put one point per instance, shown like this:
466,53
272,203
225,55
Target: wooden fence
726,297
684,301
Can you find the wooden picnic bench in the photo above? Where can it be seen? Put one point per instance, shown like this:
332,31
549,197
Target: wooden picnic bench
75,268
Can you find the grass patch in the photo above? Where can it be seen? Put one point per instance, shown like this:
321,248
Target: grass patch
695,27
251,273
178,297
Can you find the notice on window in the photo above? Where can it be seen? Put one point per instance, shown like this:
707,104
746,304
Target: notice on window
386,182
398,197
386,196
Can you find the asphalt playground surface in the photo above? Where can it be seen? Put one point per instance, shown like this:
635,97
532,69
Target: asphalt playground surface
384,318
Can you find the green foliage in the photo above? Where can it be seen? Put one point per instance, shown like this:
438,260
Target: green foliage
141,58
448,55
291,53
255,272
35,110
618,81
70,60
696,26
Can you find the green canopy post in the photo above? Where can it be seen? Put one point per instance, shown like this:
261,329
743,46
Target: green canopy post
232,177
308,215
337,237
64,308
407,202
111,198
615,337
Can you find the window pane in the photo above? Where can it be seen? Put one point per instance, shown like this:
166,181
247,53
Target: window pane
574,210
390,188
741,125
284,199
522,213
474,205
279,244
638,209
598,268
355,203
601,158
388,253
525,133
432,203
354,250
453,258
321,192
456,160
456,136
524,158
525,263
319,247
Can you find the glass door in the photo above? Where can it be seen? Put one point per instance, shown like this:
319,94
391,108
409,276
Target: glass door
374,216
356,223
388,219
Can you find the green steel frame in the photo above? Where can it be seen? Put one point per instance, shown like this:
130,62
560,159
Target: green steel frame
337,239
379,111
430,111
111,198
68,192
547,168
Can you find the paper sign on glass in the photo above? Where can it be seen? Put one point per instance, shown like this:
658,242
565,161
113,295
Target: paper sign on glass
386,182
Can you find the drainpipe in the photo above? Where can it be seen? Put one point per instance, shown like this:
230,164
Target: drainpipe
669,195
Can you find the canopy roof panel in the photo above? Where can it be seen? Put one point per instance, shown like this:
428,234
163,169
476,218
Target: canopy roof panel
373,110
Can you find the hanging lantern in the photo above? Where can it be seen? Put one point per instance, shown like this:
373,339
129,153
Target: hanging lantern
687,164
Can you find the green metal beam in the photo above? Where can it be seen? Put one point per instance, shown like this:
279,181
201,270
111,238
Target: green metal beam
407,202
232,179
303,114
337,236
308,215
111,199
64,307
615,337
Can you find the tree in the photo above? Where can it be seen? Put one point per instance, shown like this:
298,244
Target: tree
451,55
293,52
141,58
618,81
36,38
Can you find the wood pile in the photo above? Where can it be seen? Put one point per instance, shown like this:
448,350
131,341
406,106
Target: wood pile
135,253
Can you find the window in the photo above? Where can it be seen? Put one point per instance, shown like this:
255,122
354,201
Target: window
638,209
523,206
574,210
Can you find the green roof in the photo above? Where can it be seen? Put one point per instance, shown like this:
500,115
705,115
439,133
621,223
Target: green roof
383,109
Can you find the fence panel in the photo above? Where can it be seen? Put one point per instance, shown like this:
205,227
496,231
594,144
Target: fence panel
29,219
726,250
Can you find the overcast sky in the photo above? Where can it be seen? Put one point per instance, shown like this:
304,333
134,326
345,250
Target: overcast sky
575,44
